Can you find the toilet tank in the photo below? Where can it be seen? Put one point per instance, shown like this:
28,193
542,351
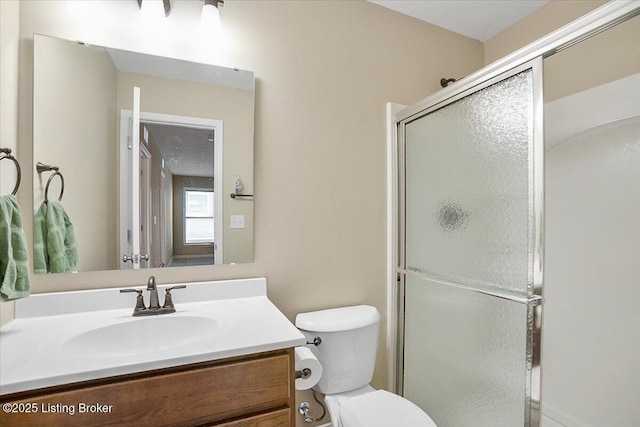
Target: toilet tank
347,352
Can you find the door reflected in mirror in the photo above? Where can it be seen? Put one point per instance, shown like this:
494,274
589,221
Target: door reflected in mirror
147,180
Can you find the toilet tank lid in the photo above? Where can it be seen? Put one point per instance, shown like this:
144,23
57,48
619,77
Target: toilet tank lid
338,319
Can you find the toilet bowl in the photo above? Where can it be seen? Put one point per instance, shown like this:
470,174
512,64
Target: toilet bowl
348,340
368,407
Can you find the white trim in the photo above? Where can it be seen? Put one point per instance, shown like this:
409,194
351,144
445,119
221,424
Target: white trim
145,197
135,180
392,291
218,188
172,119
126,126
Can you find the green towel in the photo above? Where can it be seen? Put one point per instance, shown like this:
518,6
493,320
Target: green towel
54,242
14,258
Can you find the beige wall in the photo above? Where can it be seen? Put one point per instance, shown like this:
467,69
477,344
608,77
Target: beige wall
324,70
548,18
75,129
9,28
9,34
608,56
603,58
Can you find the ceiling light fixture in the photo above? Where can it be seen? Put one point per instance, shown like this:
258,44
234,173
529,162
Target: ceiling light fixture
165,3
211,13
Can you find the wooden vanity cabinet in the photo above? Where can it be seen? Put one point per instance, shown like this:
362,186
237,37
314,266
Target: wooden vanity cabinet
247,391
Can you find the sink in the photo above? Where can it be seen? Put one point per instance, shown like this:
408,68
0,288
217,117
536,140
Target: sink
139,336
61,338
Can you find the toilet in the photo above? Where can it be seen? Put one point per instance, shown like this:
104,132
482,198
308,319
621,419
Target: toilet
347,352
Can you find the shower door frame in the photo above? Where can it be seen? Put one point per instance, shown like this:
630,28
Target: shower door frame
535,243
601,19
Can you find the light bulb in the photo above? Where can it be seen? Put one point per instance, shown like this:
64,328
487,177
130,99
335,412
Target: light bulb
210,23
152,10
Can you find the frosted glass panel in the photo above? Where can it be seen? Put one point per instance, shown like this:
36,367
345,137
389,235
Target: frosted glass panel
468,182
465,356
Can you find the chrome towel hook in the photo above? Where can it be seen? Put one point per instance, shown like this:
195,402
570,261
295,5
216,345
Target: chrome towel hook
6,154
41,167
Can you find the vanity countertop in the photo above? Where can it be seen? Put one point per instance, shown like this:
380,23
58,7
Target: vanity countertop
54,340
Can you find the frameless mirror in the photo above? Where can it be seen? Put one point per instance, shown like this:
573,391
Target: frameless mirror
139,157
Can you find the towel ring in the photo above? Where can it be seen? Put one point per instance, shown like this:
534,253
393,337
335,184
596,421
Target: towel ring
46,189
41,167
7,155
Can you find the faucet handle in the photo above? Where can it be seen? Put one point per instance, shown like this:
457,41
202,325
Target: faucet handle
122,291
139,300
168,300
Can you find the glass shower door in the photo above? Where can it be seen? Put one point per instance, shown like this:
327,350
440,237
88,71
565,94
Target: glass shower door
470,252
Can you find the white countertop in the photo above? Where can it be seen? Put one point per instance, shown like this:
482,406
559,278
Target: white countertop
35,349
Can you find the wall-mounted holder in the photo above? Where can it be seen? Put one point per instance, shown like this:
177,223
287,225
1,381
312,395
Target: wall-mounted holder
303,373
6,154
444,82
41,167
241,196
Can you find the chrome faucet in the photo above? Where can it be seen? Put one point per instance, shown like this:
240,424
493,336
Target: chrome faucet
154,305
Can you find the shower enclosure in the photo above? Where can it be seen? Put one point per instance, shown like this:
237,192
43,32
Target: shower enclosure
471,258
469,238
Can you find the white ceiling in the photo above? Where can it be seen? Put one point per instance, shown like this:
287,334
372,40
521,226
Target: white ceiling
478,19
186,151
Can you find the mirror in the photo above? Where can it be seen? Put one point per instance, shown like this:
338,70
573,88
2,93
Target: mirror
187,134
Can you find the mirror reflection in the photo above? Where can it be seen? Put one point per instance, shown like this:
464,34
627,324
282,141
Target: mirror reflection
149,150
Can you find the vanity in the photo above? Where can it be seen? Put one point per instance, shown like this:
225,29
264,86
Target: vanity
81,358
224,358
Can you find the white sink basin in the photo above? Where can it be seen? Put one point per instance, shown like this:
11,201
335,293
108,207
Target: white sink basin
140,336
67,337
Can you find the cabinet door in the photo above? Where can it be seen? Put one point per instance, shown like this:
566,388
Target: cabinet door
272,419
207,395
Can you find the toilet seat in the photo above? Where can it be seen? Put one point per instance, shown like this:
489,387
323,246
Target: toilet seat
382,409
334,402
